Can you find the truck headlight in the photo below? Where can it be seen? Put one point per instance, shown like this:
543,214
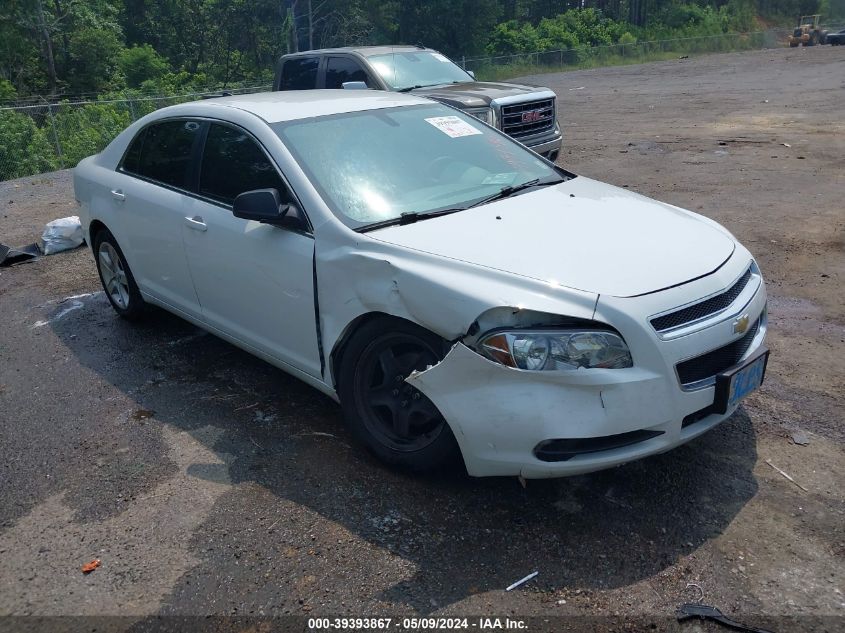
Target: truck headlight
484,114
561,350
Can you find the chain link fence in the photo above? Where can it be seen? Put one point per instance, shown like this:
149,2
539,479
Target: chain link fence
504,66
43,137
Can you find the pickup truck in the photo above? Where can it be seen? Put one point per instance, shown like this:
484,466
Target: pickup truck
526,113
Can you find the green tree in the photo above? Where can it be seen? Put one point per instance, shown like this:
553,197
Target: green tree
141,63
94,57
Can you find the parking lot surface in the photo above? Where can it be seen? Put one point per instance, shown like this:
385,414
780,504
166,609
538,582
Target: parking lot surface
208,482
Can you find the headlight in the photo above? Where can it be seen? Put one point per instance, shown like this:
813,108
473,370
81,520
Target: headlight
540,350
484,114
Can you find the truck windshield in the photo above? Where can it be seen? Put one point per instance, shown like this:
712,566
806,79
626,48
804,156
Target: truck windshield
376,165
407,69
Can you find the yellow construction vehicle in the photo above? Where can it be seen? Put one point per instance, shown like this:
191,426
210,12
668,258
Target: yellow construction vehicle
808,32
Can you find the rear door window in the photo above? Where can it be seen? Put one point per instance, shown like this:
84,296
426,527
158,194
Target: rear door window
300,73
162,152
343,69
232,163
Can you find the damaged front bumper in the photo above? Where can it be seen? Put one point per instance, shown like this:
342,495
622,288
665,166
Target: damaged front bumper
539,424
505,420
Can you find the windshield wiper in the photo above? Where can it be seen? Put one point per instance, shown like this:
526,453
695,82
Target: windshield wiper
409,88
506,192
408,218
414,216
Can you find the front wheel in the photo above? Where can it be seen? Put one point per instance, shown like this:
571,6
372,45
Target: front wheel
396,421
117,279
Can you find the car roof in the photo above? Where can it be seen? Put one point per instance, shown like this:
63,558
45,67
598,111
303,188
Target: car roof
289,105
366,50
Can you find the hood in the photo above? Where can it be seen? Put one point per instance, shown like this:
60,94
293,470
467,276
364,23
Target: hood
472,94
581,234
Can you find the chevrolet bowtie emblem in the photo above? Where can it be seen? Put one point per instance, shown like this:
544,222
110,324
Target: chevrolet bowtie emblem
741,324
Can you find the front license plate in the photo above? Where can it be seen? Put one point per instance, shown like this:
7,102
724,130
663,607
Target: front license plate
732,386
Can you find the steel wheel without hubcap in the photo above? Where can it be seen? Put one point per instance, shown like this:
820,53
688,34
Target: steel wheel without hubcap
113,274
395,413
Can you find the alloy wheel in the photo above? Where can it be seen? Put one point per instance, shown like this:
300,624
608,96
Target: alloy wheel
114,275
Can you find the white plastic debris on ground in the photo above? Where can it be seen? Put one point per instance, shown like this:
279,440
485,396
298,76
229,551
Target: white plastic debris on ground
61,235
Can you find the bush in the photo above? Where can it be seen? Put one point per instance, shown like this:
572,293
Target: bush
24,148
573,29
511,37
86,130
7,90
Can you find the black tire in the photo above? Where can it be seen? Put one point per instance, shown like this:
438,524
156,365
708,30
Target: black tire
393,419
125,298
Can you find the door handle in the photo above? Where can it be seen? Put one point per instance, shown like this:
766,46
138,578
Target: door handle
196,223
118,195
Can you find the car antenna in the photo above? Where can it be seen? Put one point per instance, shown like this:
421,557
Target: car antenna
420,45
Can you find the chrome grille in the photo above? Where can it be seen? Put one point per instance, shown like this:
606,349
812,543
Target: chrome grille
531,117
701,309
713,363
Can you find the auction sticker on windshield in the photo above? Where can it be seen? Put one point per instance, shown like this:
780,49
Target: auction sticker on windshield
453,126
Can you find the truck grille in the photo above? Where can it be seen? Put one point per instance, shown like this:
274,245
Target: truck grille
703,308
531,117
713,363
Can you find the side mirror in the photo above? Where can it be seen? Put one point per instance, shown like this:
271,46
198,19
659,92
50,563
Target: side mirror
354,85
266,206
471,74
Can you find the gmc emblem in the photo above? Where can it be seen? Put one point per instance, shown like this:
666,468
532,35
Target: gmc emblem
531,116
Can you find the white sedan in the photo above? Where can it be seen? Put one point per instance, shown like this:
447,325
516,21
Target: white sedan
458,294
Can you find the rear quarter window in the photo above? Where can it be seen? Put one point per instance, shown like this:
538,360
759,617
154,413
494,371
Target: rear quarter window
299,73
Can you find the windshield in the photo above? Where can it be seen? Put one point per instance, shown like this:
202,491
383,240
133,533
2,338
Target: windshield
375,165
417,68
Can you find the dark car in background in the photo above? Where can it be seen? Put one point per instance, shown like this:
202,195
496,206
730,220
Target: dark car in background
524,112
836,39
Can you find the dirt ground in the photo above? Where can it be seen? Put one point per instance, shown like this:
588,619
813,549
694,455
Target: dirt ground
209,483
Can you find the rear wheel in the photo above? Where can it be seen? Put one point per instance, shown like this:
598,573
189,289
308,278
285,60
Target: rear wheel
117,279
396,421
